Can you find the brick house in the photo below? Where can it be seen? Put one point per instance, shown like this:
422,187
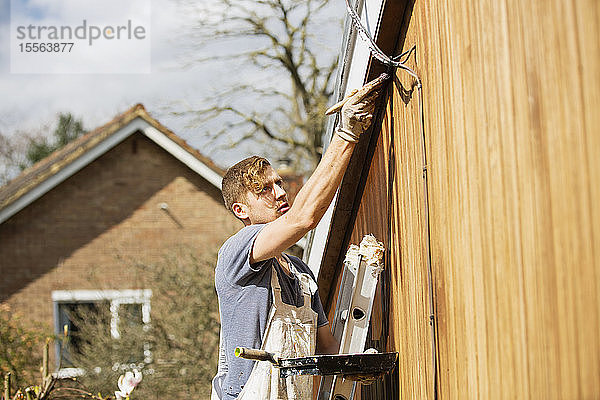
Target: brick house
130,189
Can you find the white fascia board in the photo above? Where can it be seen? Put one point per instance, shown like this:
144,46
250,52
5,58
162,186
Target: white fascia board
319,239
182,155
69,170
356,71
357,66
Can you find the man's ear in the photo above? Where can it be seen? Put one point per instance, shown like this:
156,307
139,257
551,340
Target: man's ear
240,210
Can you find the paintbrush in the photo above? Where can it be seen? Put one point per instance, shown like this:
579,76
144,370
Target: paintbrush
338,106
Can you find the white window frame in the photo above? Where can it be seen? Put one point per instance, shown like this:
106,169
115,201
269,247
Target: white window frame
114,297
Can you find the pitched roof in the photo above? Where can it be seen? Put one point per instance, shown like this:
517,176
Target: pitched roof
49,172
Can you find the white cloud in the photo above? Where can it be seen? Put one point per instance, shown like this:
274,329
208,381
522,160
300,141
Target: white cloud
30,98
29,101
84,36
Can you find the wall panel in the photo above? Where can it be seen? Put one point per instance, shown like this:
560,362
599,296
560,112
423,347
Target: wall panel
511,99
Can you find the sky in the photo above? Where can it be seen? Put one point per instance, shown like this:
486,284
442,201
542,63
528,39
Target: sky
157,71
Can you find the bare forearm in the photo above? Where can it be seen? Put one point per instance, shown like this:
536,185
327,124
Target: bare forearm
315,196
326,342
309,206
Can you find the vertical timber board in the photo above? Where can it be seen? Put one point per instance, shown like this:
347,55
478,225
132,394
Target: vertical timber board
511,93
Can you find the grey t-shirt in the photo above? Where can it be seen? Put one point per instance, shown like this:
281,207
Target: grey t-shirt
244,292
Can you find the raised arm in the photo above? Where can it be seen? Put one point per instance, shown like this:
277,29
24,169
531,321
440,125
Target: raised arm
312,200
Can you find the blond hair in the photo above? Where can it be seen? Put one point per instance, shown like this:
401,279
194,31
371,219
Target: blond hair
246,176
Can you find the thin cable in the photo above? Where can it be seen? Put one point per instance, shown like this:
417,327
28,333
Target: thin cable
429,266
375,50
399,62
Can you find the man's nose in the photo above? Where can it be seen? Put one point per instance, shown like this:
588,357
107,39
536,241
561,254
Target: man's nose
279,191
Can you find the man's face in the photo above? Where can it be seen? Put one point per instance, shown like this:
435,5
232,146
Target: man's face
271,203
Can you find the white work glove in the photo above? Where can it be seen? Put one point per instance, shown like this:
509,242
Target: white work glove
357,112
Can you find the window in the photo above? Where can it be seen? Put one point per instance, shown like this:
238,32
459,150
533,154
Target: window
117,310
68,316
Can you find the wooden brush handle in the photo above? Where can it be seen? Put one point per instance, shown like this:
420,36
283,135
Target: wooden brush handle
253,354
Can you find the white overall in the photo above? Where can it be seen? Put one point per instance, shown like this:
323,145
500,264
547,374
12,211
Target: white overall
290,332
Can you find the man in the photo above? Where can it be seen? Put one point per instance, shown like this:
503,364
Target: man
268,300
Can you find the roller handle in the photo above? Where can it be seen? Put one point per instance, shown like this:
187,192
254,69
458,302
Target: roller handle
253,354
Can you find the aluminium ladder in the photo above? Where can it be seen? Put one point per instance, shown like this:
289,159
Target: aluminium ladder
362,267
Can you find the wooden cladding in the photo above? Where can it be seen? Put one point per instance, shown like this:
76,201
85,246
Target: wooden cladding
512,124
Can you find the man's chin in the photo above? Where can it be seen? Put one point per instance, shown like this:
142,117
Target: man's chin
267,220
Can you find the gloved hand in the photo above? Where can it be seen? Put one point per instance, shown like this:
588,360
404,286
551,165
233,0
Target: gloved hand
357,112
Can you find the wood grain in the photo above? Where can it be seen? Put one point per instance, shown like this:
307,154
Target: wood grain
511,99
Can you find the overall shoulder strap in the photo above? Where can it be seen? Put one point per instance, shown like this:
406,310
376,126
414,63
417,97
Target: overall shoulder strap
275,286
304,280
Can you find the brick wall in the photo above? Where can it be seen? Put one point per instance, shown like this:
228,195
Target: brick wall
85,233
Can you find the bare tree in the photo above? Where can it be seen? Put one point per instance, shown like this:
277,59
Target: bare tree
68,129
12,156
23,149
283,74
